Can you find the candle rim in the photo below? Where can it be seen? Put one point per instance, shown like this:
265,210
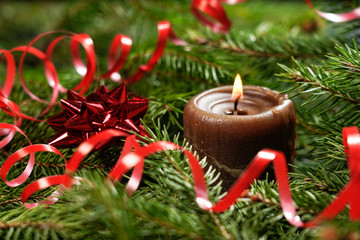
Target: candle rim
282,102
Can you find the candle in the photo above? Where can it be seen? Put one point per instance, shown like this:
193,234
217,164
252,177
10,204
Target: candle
230,134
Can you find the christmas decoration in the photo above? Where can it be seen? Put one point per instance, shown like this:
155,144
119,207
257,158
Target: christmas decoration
84,117
86,71
220,23
91,199
135,159
230,130
338,17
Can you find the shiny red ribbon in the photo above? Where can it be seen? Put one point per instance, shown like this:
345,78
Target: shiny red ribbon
87,71
133,156
337,17
212,14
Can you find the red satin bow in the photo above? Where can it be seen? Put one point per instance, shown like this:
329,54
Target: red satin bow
212,14
133,156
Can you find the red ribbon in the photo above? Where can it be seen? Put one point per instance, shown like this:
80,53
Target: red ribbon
214,9
212,14
165,31
337,17
10,76
87,71
133,156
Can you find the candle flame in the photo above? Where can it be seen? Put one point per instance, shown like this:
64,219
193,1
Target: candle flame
237,92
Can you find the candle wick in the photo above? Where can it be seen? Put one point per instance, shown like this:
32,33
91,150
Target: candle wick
236,104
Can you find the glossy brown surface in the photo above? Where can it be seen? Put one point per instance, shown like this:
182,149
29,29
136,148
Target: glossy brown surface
230,141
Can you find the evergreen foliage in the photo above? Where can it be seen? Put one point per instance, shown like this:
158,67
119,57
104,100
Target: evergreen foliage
281,45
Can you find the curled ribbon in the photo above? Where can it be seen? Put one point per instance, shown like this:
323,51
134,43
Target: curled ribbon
87,71
337,17
212,14
133,156
219,22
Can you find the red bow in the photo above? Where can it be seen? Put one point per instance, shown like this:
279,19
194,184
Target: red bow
84,117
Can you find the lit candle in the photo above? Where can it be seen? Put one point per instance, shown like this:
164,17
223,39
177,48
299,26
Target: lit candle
237,94
230,125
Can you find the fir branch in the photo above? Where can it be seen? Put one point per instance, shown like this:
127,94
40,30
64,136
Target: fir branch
222,228
249,44
62,165
300,79
198,64
328,100
331,85
168,106
231,48
164,206
162,134
40,225
167,225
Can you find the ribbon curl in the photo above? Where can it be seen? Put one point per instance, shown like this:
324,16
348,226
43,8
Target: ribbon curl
133,156
212,14
87,71
337,17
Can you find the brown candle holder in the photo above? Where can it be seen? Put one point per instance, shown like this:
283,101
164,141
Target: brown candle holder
230,142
